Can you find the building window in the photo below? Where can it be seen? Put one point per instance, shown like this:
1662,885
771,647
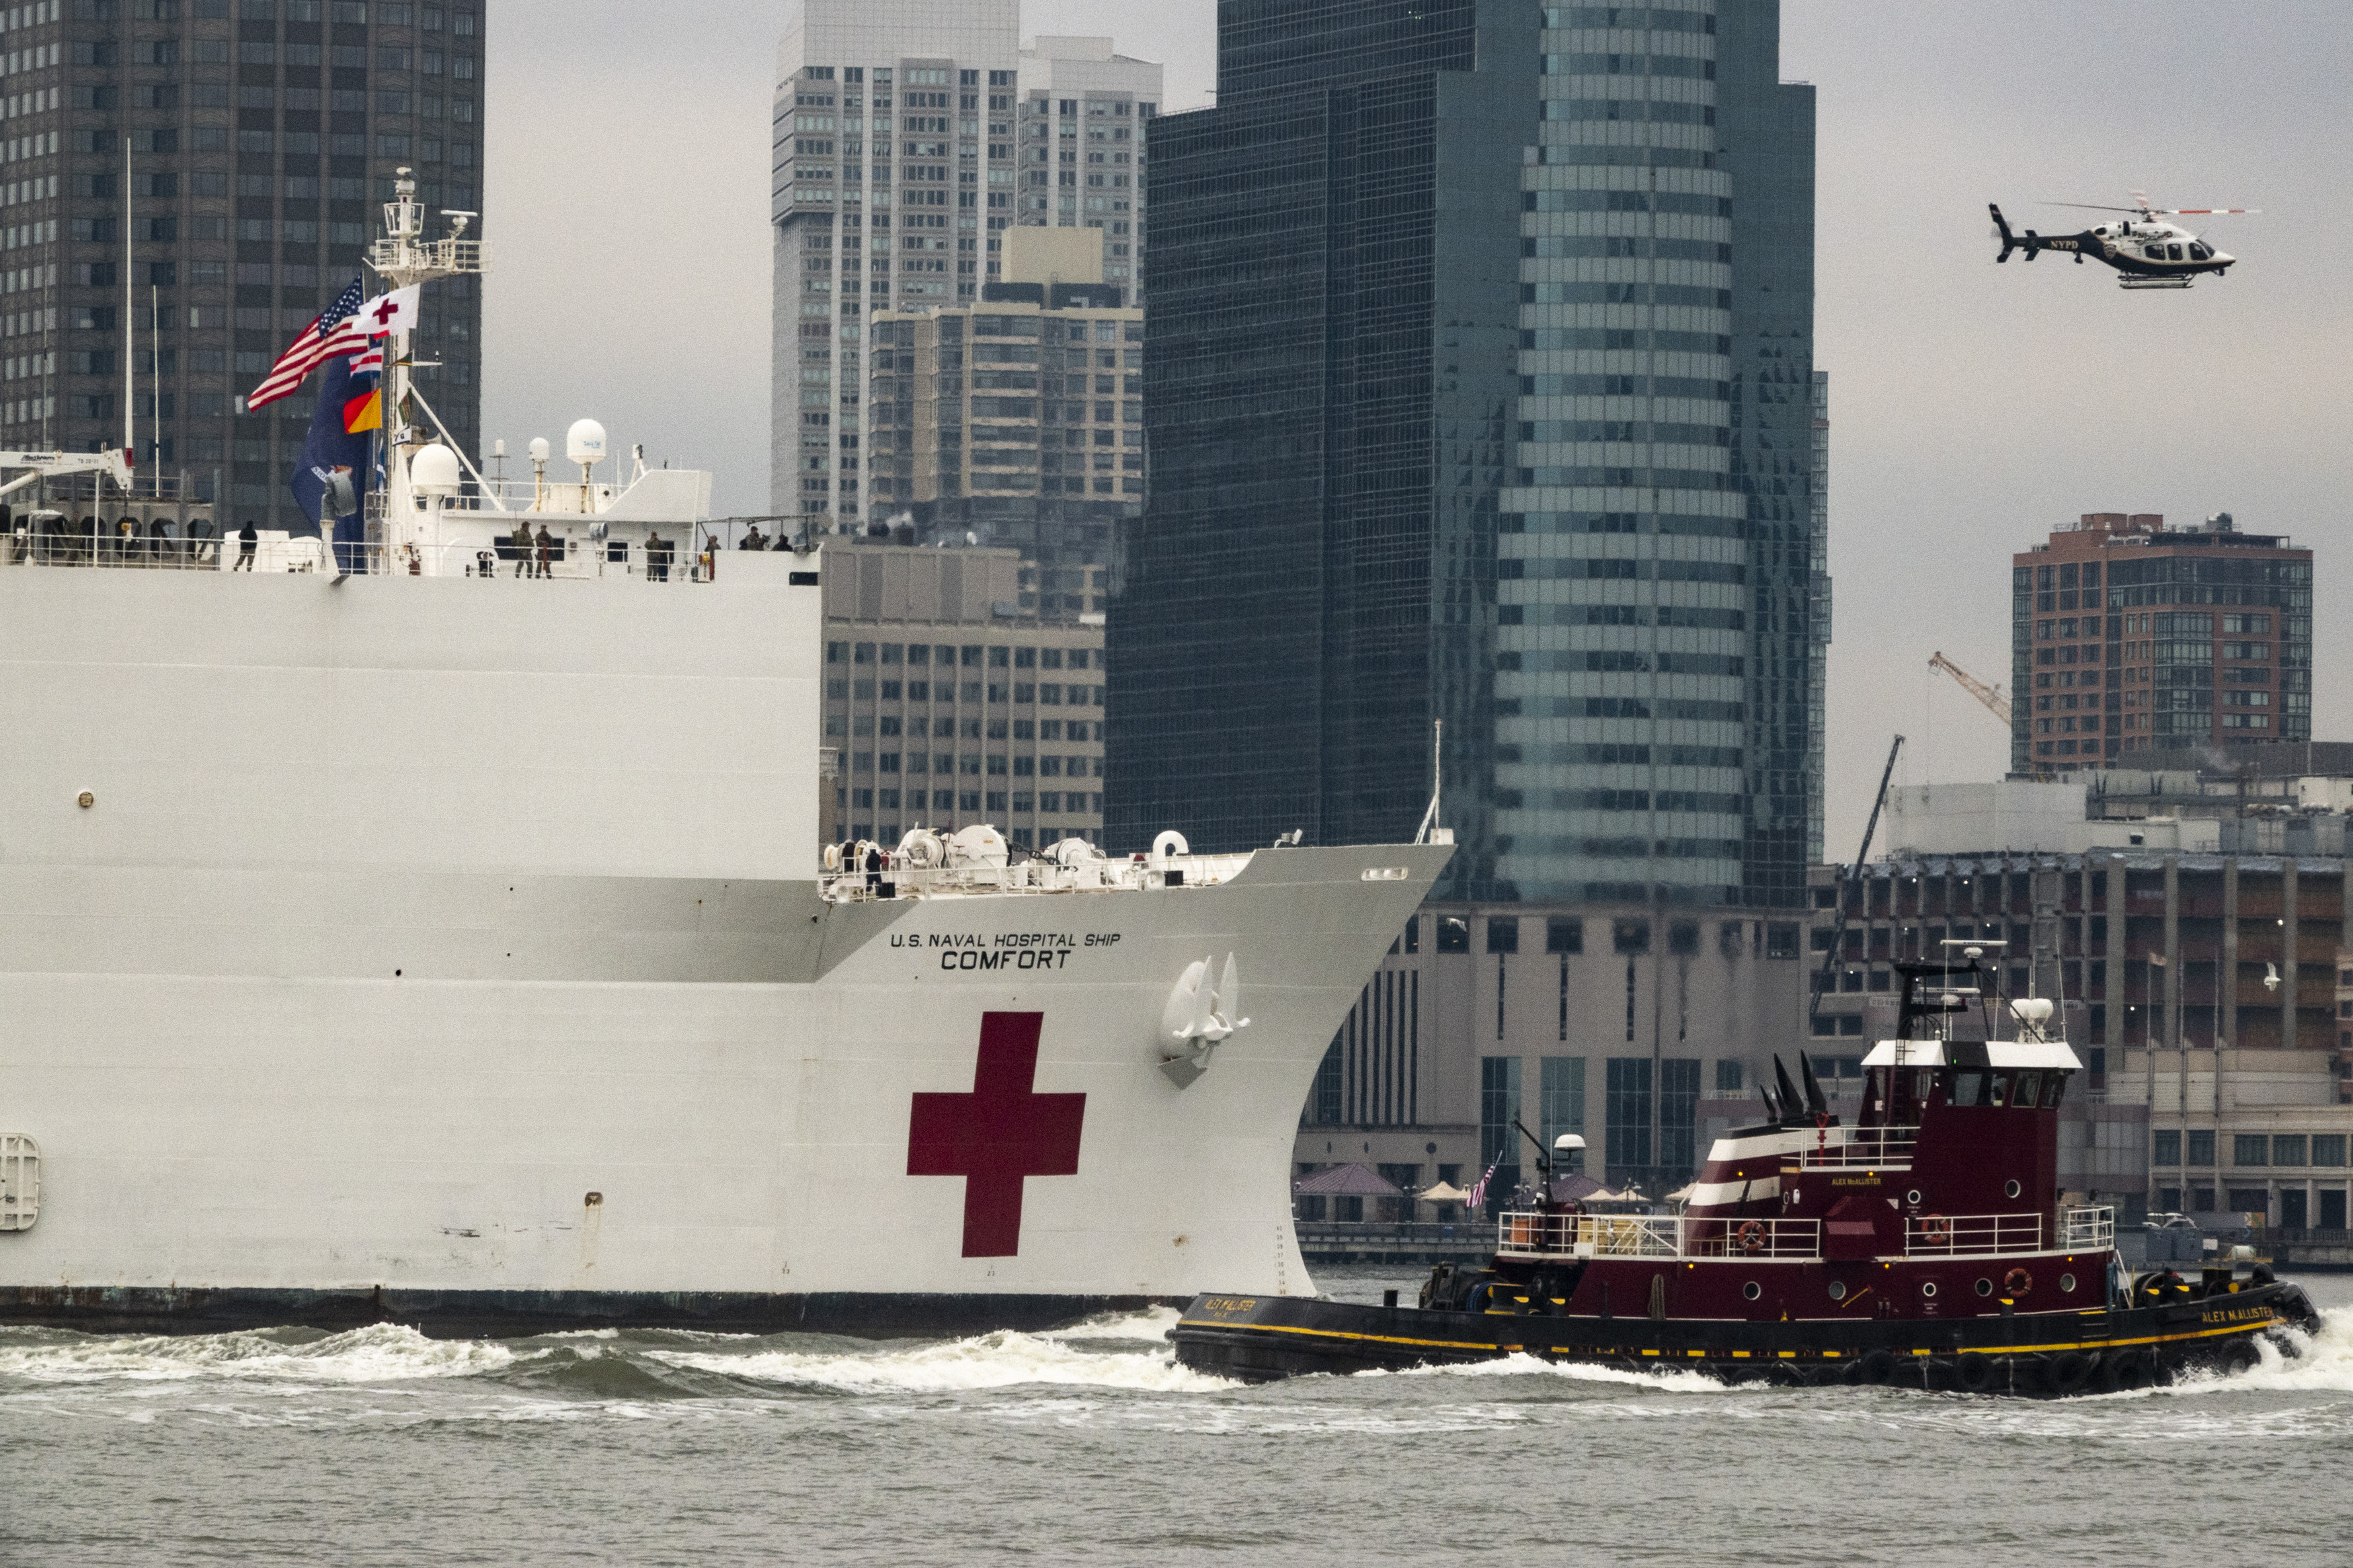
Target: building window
2165,1149
2201,1147
1564,934
1627,1118
1503,933
1562,1109
1499,1109
2251,1149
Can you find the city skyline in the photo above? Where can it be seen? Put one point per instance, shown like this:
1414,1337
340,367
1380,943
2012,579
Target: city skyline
1973,404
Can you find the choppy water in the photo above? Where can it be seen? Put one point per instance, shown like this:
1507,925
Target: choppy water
1092,1445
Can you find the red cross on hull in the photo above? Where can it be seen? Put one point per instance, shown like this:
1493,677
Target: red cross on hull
999,1135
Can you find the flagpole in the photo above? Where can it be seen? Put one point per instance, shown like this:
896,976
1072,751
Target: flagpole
155,377
130,386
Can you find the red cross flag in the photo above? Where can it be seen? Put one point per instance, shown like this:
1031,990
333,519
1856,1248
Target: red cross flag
393,312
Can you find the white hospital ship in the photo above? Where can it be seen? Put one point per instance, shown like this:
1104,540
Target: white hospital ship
398,945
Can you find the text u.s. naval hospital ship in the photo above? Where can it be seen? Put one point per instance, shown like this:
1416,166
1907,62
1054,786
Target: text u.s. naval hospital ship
404,944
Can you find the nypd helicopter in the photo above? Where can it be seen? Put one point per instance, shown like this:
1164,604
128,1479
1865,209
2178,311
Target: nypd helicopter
2145,251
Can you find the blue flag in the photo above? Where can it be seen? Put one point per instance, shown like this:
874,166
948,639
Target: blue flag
331,478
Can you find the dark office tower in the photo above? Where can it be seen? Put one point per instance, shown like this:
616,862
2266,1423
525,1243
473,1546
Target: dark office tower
1467,402
262,137
1765,141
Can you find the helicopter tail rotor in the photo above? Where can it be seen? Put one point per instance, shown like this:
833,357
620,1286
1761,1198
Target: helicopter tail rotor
2001,232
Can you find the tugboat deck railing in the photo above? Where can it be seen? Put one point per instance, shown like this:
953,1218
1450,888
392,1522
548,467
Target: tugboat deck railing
1860,1148
1534,1234
2087,1228
1971,1234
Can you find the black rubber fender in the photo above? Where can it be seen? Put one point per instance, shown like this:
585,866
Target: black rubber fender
1973,1374
1878,1369
2126,1370
2069,1371
2238,1357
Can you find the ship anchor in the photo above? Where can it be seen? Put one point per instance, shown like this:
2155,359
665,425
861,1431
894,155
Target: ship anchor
1200,1018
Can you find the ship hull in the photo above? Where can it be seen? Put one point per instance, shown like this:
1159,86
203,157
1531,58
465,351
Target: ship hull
1262,1339
449,952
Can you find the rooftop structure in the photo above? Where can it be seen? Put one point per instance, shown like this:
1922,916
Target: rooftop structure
2126,636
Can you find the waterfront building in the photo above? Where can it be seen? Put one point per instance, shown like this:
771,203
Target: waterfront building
2196,957
2127,636
955,692
247,150
1646,1032
1016,420
894,179
1479,388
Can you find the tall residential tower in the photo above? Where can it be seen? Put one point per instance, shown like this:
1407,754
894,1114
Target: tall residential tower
1479,390
909,135
188,183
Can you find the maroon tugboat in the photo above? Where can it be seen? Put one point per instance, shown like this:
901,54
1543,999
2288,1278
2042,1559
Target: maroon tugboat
1924,1246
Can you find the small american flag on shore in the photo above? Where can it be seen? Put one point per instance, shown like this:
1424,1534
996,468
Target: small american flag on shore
1478,1195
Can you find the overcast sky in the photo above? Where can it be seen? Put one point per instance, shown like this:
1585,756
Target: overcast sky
1973,406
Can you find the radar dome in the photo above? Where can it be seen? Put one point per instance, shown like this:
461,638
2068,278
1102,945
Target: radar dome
539,449
433,471
584,442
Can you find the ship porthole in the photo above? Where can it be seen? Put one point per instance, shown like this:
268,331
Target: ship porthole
1913,1197
1928,1287
1837,1290
1985,1287
2067,1282
1753,1289
2010,1190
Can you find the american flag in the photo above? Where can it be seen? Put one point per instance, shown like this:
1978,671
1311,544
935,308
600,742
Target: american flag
1478,1197
335,331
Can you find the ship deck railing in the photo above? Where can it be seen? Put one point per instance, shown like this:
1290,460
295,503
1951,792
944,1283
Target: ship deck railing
2088,1228
1971,1234
1860,1148
1538,1235
1037,875
276,552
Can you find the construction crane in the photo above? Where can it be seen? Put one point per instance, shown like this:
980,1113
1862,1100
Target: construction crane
1996,703
1853,882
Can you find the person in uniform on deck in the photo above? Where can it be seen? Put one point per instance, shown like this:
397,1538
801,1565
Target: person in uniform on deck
657,557
546,546
521,546
246,539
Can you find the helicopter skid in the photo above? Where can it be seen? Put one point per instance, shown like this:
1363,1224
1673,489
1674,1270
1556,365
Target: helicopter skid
2154,282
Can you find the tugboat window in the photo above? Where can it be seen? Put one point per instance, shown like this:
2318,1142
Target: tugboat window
1966,1085
2030,1090
2067,1283
1927,1287
1837,1290
1997,1089
2010,1190
1752,1290
1913,1197
1985,1287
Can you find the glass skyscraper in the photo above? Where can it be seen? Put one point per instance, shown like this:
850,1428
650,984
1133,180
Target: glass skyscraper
1479,371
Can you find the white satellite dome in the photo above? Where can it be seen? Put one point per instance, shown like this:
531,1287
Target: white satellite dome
584,442
433,471
539,449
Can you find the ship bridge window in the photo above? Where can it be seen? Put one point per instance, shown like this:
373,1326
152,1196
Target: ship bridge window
1967,1085
2030,1091
1997,1089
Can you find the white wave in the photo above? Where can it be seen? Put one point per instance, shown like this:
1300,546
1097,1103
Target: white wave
1002,1360
382,1352
1522,1364
1151,1325
2323,1363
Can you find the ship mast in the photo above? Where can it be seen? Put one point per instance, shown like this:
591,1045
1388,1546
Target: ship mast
404,257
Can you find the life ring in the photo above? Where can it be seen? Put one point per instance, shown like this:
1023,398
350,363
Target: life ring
1935,1229
1752,1237
2017,1282
1973,1374
2070,1369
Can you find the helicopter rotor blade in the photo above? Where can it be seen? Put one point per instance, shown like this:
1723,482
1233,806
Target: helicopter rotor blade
2094,207
2205,212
